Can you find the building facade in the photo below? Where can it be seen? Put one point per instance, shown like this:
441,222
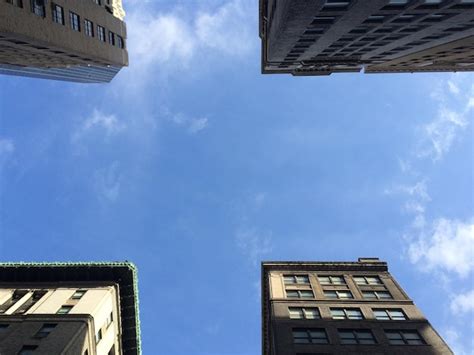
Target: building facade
341,308
76,309
80,41
321,37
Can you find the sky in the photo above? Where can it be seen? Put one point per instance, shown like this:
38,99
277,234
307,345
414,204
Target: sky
196,167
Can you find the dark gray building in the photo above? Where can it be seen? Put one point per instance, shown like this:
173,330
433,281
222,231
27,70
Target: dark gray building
81,41
341,308
320,37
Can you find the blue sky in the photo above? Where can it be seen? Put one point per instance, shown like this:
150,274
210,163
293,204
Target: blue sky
196,167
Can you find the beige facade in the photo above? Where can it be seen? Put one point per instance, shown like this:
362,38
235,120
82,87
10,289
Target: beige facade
88,310
341,308
87,37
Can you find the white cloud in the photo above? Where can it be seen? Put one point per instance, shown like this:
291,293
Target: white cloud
6,146
447,246
192,124
109,125
463,303
253,244
107,182
455,99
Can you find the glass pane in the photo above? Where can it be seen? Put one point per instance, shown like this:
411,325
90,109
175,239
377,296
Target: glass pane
306,294
292,294
396,342
338,314
346,335
296,313
384,295
359,280
367,341
364,334
330,294
302,279
289,279
354,314
397,315
369,295
300,334
381,315
301,340
320,341
345,294
317,334
324,280
411,335
338,280
348,341
373,280
393,335
312,313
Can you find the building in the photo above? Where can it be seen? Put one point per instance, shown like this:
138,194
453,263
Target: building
320,37
81,41
71,308
341,308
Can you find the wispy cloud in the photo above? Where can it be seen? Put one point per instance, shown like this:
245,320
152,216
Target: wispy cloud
445,246
107,182
254,244
463,303
192,124
107,125
6,146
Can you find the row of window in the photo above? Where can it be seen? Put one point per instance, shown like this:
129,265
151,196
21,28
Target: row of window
346,313
339,294
331,280
356,336
90,30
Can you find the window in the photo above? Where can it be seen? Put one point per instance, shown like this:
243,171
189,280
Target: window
17,3
58,14
367,280
338,294
299,294
295,279
331,280
101,33
381,295
112,38
356,336
404,337
304,313
16,296
98,336
27,350
120,42
64,310
37,7
3,327
109,319
346,313
75,21
88,28
389,314
78,294
45,330
310,336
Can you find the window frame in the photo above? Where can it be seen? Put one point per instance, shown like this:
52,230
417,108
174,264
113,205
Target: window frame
346,315
377,295
366,282
300,293
355,332
89,28
304,312
402,333
388,314
58,17
311,340
331,281
294,279
75,21
337,292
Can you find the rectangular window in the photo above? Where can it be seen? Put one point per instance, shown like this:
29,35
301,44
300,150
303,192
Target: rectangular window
310,336
331,280
338,294
58,14
367,280
120,42
299,294
356,336
295,279
3,327
112,38
17,3
88,28
346,313
404,337
64,310
75,21
37,295
78,294
16,296
381,295
98,336
45,330
109,319
101,33
37,7
389,314
28,350
304,313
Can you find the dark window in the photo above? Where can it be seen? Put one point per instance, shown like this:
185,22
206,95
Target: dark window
89,28
37,7
101,33
120,42
37,295
17,3
16,296
45,330
346,313
356,336
64,310
28,350
299,294
58,14
404,337
331,280
295,279
112,38
78,294
75,21
389,314
310,336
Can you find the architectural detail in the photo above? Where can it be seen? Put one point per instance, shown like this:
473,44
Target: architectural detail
341,308
80,41
321,37
72,308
